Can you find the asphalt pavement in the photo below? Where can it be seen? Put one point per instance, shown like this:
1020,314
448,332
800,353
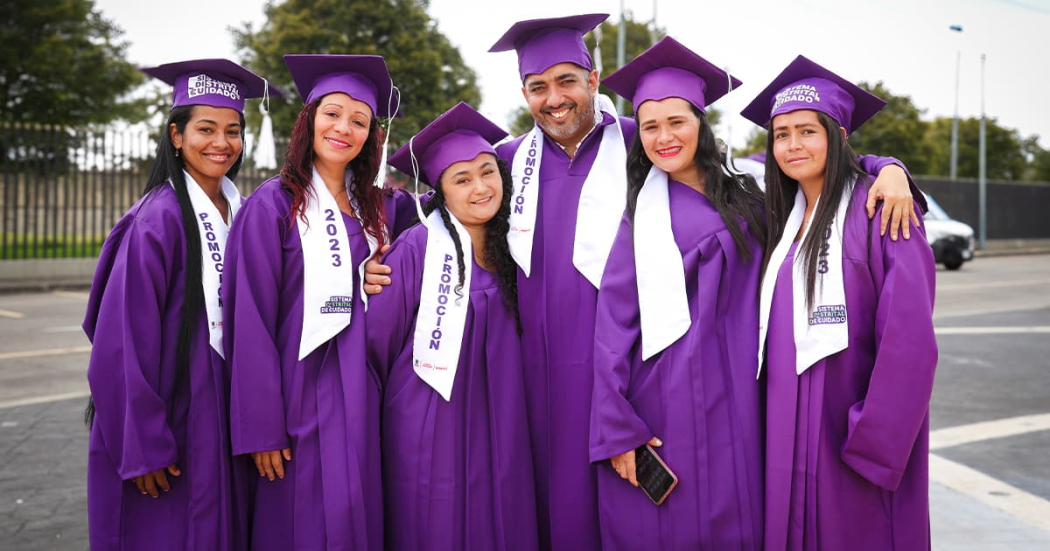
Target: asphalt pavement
990,413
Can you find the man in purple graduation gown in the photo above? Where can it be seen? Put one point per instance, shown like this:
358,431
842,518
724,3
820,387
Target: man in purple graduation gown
457,474
557,301
847,441
149,417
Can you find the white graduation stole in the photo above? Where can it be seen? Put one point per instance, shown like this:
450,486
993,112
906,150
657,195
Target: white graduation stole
602,199
328,274
442,315
662,300
213,233
526,177
822,331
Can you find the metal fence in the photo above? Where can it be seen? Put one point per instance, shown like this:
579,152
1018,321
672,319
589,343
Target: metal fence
62,189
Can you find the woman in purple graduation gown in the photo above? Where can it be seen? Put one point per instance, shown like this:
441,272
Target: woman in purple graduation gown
847,328
303,402
673,360
159,471
457,467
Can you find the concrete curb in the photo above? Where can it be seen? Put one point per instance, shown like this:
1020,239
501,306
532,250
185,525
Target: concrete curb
1012,252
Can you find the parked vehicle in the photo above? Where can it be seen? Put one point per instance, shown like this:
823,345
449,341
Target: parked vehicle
952,241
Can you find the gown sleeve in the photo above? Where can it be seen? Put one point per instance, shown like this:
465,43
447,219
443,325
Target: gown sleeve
126,329
884,426
615,426
403,210
251,290
392,313
873,165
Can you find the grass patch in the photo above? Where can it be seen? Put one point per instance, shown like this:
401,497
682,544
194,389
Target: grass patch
21,246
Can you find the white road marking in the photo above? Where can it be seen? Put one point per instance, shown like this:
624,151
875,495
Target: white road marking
1031,509
983,311
992,284
991,330
62,329
49,352
71,294
11,314
976,432
44,399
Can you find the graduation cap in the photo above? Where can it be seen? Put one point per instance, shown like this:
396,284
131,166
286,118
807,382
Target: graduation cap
459,134
804,84
362,77
670,70
544,43
213,82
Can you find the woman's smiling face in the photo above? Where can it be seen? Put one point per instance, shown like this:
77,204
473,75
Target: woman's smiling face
341,127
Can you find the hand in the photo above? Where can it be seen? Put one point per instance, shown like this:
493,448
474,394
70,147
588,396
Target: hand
891,186
624,463
270,464
376,273
149,482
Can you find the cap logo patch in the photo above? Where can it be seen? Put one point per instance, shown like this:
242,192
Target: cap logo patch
802,93
201,85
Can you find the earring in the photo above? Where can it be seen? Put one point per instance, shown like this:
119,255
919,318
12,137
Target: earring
177,151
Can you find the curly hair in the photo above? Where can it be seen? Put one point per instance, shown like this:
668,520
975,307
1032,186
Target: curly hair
496,252
297,172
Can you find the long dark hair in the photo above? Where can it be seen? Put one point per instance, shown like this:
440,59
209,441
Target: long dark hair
297,172
842,166
168,167
496,252
733,195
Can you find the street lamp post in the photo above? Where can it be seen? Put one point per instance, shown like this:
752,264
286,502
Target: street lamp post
982,173
620,43
955,117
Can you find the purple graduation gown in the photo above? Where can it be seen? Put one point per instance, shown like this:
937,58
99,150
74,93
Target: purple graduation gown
699,395
557,305
456,474
325,407
847,442
142,422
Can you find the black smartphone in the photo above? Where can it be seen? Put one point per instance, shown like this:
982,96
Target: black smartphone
653,474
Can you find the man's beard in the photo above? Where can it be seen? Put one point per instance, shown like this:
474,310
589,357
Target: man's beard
584,119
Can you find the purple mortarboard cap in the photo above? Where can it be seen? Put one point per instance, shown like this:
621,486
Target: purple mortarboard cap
459,134
805,85
362,77
670,70
544,43
214,82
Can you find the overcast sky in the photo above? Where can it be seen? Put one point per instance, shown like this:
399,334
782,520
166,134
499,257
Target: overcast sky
906,44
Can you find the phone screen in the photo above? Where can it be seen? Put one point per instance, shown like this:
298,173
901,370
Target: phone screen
653,474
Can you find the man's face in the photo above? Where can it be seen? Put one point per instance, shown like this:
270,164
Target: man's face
562,101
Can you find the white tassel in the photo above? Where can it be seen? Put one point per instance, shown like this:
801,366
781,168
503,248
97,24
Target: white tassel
265,151
415,187
392,108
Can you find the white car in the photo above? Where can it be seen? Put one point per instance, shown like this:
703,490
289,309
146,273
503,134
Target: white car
952,241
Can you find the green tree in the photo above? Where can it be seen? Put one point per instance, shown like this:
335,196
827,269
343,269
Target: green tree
63,63
428,70
896,131
1038,160
1005,152
638,36
755,143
